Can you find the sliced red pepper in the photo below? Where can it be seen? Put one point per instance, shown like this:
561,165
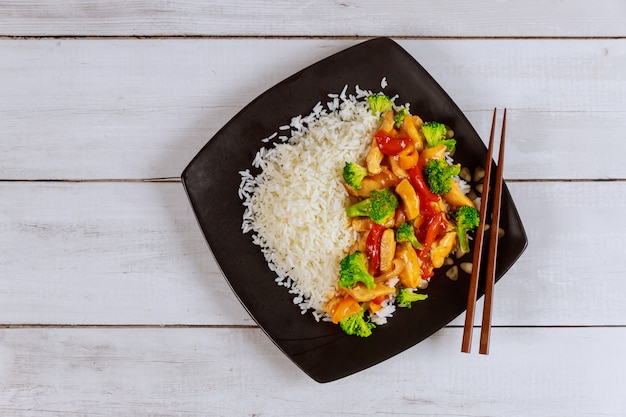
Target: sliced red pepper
436,225
372,247
427,270
379,300
419,183
390,145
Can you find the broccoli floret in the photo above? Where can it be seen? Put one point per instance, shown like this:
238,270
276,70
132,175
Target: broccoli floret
435,134
406,233
379,103
353,269
356,324
406,297
399,117
380,206
466,219
438,174
353,174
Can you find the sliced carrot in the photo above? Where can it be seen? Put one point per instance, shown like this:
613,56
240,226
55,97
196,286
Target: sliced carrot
373,307
376,304
408,157
345,308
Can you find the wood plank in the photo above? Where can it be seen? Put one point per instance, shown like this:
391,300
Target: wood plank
107,253
226,372
131,253
320,18
92,109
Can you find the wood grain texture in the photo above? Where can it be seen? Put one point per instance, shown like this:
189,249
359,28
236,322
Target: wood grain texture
116,253
131,253
319,18
131,109
226,372
97,96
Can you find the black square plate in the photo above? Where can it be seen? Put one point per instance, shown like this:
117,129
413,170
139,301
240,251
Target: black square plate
212,180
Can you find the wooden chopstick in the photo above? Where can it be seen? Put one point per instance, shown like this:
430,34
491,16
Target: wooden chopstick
478,246
494,229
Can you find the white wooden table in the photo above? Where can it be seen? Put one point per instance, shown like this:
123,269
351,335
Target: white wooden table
110,301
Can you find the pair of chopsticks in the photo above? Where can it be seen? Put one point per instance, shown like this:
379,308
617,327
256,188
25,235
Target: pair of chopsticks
493,246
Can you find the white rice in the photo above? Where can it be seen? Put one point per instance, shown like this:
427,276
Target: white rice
295,207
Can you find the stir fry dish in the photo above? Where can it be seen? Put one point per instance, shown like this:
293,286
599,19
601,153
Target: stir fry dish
410,212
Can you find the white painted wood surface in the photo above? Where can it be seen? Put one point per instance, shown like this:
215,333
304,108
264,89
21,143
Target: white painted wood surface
574,18
175,94
110,301
238,372
154,103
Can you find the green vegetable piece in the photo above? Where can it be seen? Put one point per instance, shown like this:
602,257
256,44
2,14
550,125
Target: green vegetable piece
357,325
438,174
399,117
380,206
379,103
466,219
406,233
353,269
353,174
406,297
435,134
